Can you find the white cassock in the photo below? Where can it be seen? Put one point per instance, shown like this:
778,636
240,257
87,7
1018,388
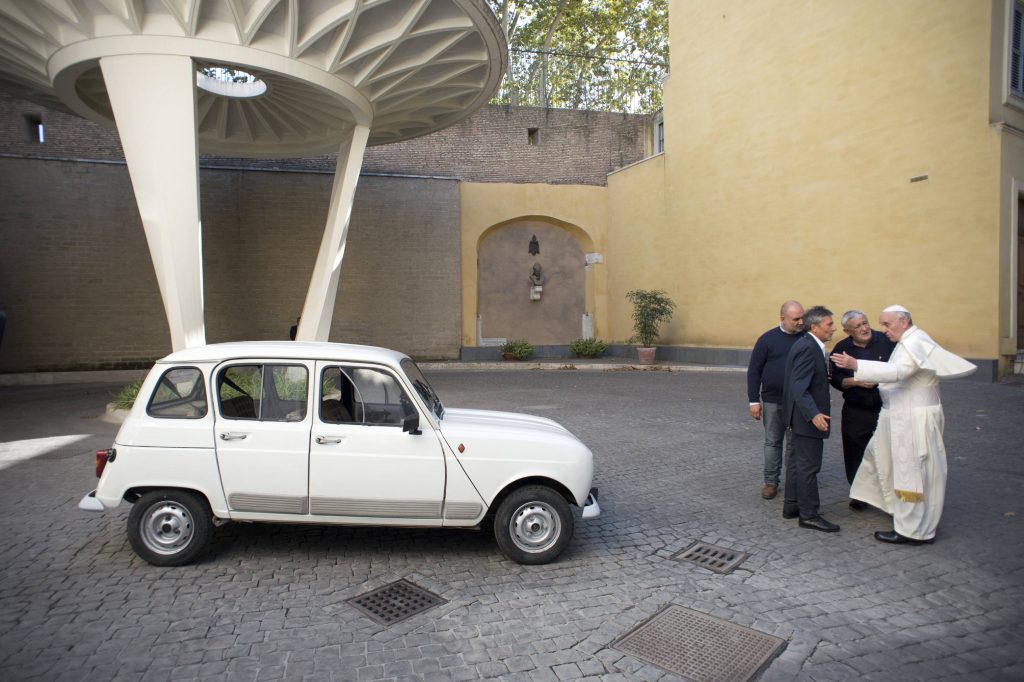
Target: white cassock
904,467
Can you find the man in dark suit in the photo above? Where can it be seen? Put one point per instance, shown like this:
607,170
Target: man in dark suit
806,409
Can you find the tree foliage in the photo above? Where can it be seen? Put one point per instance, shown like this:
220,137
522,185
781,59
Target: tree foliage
607,55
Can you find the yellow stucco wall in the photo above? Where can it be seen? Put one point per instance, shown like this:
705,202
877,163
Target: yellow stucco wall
581,210
636,257
792,131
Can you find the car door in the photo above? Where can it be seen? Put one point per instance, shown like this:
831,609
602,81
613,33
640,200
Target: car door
363,466
262,436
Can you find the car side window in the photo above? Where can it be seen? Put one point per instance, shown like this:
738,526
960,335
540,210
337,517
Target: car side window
338,398
180,394
263,392
285,391
361,395
379,396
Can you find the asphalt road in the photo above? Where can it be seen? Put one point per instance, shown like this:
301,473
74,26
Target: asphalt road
677,460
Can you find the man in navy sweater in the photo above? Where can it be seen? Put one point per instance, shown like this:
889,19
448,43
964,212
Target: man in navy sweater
765,377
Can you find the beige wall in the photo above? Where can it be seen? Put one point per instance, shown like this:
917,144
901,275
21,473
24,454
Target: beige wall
792,132
638,258
582,211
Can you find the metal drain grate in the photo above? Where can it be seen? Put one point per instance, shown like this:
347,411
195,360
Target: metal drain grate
396,601
711,557
700,647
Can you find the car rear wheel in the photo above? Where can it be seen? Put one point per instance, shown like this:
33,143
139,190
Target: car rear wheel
169,527
533,525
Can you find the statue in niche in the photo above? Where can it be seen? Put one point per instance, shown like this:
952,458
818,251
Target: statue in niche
534,246
537,277
536,282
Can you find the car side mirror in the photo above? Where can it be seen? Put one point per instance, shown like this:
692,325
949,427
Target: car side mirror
411,423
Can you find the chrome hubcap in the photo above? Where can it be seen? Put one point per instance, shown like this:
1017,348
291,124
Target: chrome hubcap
167,527
534,527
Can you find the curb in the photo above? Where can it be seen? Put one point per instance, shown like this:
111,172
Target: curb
571,366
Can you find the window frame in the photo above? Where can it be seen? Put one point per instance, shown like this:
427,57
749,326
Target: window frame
160,382
357,393
1015,51
263,365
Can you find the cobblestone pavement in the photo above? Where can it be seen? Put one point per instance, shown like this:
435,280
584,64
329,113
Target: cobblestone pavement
677,461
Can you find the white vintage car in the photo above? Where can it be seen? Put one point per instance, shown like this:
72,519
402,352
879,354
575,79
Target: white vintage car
306,432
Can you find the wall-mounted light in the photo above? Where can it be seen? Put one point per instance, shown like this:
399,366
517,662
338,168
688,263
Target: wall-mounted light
534,246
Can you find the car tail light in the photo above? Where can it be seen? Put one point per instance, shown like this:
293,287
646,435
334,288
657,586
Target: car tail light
102,457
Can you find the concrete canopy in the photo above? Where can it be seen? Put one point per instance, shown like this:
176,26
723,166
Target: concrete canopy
404,67
333,75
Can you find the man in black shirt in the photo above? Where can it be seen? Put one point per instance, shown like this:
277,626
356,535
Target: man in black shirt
765,376
861,400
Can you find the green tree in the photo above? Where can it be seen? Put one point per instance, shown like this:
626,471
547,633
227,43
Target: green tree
594,54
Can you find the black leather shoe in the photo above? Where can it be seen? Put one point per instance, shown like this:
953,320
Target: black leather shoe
819,523
857,505
786,514
895,538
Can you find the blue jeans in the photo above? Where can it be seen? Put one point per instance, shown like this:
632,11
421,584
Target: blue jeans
774,435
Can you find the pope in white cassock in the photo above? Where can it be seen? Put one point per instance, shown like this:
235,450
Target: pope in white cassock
904,467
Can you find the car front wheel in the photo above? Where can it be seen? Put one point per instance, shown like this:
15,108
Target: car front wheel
533,525
169,527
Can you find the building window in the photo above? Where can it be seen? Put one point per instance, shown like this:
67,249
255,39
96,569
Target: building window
1017,50
36,132
658,133
533,136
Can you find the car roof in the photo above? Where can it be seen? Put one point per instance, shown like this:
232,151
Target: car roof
288,350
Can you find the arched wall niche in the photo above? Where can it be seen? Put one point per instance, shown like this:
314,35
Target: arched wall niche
505,307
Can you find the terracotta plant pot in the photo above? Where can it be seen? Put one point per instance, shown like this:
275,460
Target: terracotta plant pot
509,356
646,355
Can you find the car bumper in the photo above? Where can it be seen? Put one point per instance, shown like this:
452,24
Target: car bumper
591,509
90,503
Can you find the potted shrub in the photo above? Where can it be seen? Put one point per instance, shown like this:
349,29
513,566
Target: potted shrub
588,347
516,349
650,309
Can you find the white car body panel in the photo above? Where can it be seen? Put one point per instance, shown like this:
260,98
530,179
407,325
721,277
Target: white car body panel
503,447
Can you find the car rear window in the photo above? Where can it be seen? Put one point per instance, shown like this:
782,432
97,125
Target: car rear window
180,394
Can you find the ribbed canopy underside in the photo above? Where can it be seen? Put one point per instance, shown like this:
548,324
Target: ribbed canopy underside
406,67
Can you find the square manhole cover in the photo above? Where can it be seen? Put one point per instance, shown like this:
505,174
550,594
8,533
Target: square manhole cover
395,601
711,557
700,647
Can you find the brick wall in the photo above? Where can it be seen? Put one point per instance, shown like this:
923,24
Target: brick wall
492,145
76,279
78,287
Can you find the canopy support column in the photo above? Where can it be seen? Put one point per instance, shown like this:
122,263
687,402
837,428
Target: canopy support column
154,103
318,309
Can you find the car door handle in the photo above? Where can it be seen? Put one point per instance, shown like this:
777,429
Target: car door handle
233,436
328,440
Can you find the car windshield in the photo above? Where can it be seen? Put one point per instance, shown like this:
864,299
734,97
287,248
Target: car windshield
423,387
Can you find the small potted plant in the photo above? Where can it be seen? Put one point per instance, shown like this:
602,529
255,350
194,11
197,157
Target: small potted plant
516,349
650,309
588,347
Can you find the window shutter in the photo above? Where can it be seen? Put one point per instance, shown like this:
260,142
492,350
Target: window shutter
1017,52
